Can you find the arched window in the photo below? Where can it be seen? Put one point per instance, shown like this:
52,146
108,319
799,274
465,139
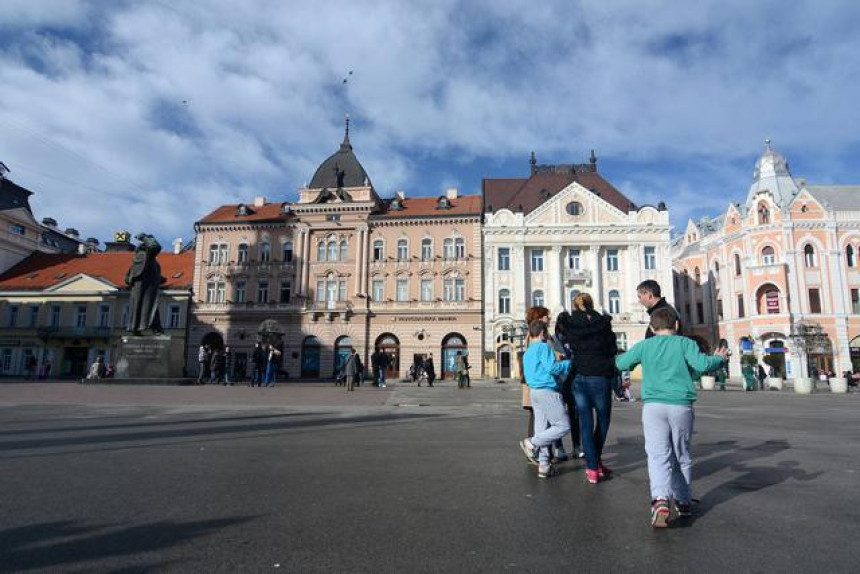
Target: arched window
321,251
763,214
737,265
767,255
614,301
402,250
378,249
809,255
537,298
332,249
265,252
698,275
243,253
849,256
505,301
717,268
344,250
426,249
287,252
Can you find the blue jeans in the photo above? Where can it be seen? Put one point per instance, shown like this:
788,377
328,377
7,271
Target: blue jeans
668,430
594,405
271,370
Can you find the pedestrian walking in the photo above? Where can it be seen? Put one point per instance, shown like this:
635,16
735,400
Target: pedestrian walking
97,370
593,344
31,367
542,368
463,367
429,370
351,370
761,375
228,366
258,365
557,452
202,364
271,366
668,393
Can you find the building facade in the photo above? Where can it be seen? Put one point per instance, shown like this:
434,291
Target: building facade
340,268
67,309
562,231
777,276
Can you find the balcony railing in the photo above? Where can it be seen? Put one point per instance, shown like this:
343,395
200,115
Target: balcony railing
583,275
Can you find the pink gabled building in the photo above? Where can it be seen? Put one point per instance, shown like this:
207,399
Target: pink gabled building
778,275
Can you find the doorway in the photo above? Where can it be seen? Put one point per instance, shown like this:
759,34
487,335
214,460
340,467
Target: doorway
390,345
74,361
505,362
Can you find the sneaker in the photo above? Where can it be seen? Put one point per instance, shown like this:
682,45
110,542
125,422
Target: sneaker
561,455
591,476
660,513
547,471
529,450
684,509
603,471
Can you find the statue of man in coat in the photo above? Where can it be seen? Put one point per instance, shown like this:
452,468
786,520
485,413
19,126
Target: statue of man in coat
144,278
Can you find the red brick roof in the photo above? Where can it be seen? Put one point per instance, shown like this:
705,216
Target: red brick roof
526,194
427,206
228,213
43,270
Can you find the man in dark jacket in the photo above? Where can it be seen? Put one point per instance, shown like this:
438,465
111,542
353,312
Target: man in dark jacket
649,296
429,369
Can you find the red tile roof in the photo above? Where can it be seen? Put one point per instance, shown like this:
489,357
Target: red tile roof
427,206
525,194
228,214
43,270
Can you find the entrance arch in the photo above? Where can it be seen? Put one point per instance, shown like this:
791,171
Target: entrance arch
213,339
767,299
854,348
342,350
774,357
451,345
505,356
390,345
310,357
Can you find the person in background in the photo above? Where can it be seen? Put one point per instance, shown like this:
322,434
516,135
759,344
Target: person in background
228,366
649,295
202,364
351,370
430,370
761,376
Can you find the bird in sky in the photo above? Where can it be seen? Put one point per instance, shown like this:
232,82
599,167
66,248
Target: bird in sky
346,79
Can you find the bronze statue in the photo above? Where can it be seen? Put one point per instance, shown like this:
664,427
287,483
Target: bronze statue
144,278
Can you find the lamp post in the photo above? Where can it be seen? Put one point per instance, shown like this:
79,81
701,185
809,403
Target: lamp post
516,332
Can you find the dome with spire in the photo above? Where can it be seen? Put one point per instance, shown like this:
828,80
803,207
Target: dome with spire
341,169
771,174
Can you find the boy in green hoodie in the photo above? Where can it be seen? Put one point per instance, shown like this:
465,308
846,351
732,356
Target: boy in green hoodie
669,364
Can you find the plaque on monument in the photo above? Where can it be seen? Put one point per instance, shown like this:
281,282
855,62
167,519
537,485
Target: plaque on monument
150,357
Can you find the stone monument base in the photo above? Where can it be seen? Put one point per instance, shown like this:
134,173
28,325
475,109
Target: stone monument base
150,357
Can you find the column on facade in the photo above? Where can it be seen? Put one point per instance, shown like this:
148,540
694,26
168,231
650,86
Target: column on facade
519,288
306,267
840,310
555,284
632,276
597,276
359,262
300,260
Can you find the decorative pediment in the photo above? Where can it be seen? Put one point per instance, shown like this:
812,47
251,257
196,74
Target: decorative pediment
82,283
575,205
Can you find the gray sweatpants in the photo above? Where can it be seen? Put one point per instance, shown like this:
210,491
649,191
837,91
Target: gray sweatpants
551,421
668,430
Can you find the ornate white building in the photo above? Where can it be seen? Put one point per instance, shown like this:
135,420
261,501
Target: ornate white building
561,231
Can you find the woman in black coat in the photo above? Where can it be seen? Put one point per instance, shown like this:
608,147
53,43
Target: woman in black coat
593,345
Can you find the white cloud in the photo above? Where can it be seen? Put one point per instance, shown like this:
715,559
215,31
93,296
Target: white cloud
160,111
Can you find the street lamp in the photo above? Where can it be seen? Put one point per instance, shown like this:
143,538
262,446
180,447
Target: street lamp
516,332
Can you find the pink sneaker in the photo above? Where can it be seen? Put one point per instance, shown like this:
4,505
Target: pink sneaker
591,476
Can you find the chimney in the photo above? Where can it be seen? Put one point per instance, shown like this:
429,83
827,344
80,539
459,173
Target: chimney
177,246
72,232
49,222
451,193
401,194
82,249
92,245
259,201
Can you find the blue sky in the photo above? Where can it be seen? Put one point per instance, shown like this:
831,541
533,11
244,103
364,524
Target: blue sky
145,115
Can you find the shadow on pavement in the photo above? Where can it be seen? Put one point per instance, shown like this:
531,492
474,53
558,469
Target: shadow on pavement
53,544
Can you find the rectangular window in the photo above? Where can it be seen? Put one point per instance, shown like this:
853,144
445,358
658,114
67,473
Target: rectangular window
221,292
213,254
17,229
320,289
741,313
243,253
240,293
81,317
6,360
460,248
34,315
448,248
814,301
650,258
612,260
173,317
341,290
210,292
55,316
13,316
378,292
459,290
426,250
125,316
719,309
378,250
286,292
855,301
222,254
104,315
288,251
537,260
574,259
448,291
402,290
263,292
700,313
426,289
402,251
504,258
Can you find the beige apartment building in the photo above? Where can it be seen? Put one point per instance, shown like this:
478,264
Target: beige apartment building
340,268
777,276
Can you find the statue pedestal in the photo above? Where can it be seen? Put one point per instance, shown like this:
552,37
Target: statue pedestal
150,357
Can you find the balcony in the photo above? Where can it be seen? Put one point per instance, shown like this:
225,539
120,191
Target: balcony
577,275
330,309
46,332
